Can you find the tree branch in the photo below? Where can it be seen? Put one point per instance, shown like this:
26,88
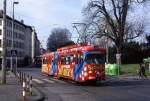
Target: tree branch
115,13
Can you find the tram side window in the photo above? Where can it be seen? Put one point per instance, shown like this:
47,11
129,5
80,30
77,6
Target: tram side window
70,59
67,60
63,60
79,59
44,61
54,60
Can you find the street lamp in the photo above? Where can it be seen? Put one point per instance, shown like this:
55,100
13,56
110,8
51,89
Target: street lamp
12,45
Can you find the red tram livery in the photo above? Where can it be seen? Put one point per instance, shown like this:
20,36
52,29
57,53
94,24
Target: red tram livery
77,62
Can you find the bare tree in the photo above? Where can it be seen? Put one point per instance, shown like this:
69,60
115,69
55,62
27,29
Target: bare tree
148,39
58,38
83,34
109,17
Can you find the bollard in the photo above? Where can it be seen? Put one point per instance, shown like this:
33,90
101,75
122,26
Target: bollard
17,74
27,83
24,92
24,76
30,85
20,76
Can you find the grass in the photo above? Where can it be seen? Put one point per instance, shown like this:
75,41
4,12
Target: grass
131,69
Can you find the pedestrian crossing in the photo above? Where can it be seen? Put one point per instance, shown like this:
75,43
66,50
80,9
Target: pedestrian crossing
38,81
59,81
48,81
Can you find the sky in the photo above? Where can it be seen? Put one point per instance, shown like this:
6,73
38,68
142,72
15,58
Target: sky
45,15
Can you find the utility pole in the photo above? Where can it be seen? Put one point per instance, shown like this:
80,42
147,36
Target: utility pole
4,46
33,44
12,45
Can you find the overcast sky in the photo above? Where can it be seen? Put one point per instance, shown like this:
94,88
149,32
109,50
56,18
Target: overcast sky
47,14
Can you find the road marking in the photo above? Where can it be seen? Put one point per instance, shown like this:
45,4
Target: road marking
49,81
59,81
38,81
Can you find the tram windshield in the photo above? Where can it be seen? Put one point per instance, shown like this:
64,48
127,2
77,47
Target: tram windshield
95,59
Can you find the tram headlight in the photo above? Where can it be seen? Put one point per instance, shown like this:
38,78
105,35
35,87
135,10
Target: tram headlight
85,74
90,71
82,72
80,76
83,78
85,69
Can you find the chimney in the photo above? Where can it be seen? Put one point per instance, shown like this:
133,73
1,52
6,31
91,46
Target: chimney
22,21
1,13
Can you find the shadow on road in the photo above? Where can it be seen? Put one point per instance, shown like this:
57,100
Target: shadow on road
127,83
117,83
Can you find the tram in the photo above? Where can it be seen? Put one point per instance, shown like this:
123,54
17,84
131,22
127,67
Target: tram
76,62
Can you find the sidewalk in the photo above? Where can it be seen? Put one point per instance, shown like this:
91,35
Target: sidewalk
126,77
131,77
11,91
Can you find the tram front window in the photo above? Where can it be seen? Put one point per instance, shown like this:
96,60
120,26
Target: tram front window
95,59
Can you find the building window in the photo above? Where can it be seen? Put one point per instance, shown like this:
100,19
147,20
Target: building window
0,32
0,53
0,22
8,43
0,43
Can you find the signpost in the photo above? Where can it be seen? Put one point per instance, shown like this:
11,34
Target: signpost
14,54
118,56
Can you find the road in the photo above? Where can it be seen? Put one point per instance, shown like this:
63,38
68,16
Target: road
111,90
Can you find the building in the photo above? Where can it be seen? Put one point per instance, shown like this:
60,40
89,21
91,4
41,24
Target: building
23,39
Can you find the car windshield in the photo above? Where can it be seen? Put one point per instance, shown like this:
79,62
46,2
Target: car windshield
95,59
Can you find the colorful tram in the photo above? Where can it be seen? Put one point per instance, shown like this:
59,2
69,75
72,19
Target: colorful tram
77,62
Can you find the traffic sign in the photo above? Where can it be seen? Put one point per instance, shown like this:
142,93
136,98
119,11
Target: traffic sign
13,52
118,56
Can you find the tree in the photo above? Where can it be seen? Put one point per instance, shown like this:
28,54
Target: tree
109,18
67,43
148,39
132,53
58,38
83,35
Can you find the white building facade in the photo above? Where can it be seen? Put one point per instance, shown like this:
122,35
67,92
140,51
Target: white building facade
22,40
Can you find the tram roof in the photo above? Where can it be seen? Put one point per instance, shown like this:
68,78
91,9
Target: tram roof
80,47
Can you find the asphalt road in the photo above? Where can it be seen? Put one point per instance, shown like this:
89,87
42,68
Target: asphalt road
113,89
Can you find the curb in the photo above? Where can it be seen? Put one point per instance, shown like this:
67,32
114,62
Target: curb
39,95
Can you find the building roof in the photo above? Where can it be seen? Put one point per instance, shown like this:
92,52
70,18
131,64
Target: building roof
20,22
